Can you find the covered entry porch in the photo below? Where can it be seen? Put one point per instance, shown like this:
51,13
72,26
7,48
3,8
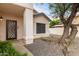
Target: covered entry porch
14,22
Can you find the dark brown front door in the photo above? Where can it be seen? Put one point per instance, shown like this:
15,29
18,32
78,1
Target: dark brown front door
11,29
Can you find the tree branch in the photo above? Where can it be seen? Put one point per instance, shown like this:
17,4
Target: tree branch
62,18
73,13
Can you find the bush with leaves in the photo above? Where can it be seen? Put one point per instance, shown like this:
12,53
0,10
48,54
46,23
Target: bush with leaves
6,49
53,22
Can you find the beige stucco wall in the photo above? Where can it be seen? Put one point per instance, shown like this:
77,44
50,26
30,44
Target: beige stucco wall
76,20
56,31
3,25
59,31
28,26
40,19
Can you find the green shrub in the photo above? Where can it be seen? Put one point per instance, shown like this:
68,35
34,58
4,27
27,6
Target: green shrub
54,22
6,49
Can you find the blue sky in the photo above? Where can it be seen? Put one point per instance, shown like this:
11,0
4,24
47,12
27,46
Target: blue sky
42,8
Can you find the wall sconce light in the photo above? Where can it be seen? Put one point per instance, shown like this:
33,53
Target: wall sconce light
1,18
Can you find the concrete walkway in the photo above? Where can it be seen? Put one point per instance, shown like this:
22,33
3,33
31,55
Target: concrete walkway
19,46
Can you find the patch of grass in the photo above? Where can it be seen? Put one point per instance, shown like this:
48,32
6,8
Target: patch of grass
6,49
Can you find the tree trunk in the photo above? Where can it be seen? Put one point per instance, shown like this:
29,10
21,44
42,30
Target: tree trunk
73,32
62,39
66,37
69,39
65,34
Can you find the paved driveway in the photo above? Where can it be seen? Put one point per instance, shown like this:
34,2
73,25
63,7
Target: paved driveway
44,48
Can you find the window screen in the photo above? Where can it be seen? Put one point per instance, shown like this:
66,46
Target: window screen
40,27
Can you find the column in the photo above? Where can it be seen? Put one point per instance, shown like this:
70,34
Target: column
28,25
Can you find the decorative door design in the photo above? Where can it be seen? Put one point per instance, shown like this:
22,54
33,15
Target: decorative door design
11,29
